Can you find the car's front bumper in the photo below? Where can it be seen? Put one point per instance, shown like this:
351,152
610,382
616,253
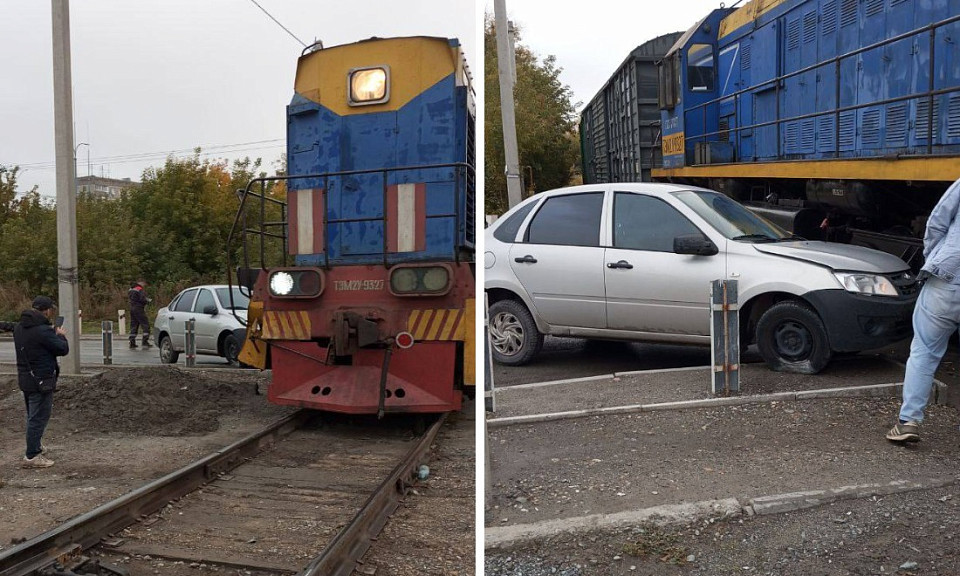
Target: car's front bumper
856,322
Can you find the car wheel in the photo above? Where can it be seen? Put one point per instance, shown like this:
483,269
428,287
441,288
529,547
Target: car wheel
231,349
791,338
167,354
513,333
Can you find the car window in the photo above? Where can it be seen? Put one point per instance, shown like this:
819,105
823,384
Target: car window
203,300
240,300
185,302
647,223
568,220
507,231
731,218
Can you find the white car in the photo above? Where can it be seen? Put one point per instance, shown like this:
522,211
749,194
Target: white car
635,262
218,330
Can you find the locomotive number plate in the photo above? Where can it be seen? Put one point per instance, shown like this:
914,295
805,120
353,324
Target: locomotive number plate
357,285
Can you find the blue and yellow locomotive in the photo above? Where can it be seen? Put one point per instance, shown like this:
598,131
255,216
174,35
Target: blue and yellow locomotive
370,309
840,119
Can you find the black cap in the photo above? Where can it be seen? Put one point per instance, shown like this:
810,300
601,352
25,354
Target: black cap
42,303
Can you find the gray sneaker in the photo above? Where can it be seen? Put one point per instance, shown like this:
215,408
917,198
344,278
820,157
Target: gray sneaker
38,461
908,432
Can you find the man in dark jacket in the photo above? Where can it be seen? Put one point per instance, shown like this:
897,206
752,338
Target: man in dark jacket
138,317
38,344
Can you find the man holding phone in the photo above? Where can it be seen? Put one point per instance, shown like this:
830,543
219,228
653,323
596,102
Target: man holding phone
38,345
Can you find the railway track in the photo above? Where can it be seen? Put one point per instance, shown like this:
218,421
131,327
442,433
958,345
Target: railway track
295,498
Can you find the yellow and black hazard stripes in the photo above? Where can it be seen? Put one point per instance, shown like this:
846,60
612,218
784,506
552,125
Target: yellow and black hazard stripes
442,324
286,325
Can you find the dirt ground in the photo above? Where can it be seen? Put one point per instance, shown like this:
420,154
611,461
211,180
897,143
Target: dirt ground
113,432
907,534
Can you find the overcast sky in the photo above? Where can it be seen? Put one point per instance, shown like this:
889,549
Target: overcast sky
152,77
593,38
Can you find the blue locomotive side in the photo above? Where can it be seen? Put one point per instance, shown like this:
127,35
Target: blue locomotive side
788,80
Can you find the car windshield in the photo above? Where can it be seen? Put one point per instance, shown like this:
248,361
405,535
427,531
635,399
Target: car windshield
731,218
240,301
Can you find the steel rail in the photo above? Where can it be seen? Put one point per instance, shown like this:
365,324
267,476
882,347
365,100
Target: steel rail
341,555
87,530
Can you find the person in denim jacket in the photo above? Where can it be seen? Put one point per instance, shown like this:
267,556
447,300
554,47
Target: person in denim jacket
937,315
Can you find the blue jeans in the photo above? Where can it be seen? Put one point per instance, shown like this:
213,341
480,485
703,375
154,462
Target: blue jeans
935,319
39,406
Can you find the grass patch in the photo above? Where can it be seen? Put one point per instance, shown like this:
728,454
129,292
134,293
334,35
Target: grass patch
655,543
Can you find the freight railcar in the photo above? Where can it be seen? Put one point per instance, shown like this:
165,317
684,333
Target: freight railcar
620,127
839,119
370,306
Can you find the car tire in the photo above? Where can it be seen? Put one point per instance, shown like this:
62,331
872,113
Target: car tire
514,337
167,354
791,338
231,349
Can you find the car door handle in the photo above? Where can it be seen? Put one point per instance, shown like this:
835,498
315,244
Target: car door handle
621,264
528,259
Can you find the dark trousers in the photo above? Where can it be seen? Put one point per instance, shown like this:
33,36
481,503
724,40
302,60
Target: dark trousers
39,406
139,320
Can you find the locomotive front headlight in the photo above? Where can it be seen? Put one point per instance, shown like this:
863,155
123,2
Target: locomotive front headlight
369,86
404,280
281,283
435,279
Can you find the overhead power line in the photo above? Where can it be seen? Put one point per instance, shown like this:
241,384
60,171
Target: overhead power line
144,156
279,24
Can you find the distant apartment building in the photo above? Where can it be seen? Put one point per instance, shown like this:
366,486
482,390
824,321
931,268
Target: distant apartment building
104,187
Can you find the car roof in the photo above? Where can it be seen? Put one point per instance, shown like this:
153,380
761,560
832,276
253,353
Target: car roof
645,187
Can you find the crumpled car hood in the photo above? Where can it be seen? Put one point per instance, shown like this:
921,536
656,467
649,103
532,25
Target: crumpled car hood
837,256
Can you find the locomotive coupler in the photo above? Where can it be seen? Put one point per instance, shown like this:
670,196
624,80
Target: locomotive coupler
352,331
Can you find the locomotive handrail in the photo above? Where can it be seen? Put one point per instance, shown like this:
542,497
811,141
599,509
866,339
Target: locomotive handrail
776,82
463,170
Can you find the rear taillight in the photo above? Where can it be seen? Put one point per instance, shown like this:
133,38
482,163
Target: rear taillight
295,283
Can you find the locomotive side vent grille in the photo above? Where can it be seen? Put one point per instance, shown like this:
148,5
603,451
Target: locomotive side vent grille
808,133
874,7
848,130
826,127
871,127
724,129
896,125
848,13
896,2
790,135
745,58
953,117
793,35
829,17
809,27
920,121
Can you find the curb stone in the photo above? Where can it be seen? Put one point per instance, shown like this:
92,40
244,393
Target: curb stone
673,514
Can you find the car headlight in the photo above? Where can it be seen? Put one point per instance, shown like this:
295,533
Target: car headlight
302,283
419,280
281,283
369,85
871,284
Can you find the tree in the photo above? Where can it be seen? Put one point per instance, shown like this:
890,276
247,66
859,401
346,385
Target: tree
546,123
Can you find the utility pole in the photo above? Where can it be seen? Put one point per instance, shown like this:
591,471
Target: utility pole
505,70
68,296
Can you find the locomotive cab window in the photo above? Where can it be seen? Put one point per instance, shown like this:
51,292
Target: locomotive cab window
368,85
700,72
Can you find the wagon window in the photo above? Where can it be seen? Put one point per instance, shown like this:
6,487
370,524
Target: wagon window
700,73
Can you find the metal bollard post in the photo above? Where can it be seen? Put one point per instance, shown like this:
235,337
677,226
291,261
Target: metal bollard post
121,322
107,330
191,344
725,337
80,321
489,395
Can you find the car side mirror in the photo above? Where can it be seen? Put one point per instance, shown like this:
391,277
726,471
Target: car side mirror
695,245
210,309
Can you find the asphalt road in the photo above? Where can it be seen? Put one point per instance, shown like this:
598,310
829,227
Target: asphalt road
91,354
